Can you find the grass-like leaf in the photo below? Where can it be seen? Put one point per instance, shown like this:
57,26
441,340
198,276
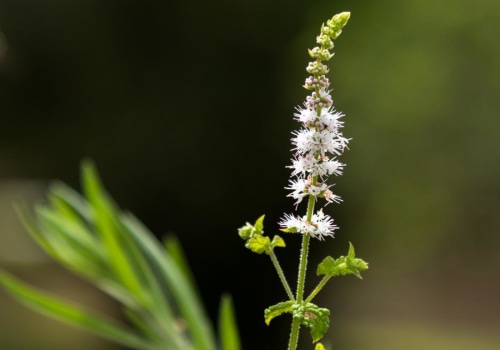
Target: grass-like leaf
113,250
76,315
228,331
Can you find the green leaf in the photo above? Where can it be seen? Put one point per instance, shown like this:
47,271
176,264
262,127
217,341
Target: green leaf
228,329
317,319
258,244
277,310
259,225
185,297
51,306
104,213
278,242
343,265
174,249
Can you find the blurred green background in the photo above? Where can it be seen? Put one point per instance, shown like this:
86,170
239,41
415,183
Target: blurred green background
186,108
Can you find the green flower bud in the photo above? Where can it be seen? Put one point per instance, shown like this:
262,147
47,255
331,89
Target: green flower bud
246,231
320,53
337,23
316,68
324,41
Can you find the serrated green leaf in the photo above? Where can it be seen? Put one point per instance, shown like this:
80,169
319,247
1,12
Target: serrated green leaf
258,244
277,310
278,242
317,319
327,267
228,329
343,265
259,224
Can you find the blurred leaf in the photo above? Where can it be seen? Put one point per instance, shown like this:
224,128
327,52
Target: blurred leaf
185,297
228,329
174,249
118,254
51,306
104,215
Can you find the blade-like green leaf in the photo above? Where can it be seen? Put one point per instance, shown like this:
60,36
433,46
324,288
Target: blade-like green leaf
174,249
190,306
105,221
228,328
51,306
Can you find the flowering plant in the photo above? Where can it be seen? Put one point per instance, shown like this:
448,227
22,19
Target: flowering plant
317,145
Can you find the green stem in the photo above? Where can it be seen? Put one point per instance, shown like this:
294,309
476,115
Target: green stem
278,268
294,334
316,290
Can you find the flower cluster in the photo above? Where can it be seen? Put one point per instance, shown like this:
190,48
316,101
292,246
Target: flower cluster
318,142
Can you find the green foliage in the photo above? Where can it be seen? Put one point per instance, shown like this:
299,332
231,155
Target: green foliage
255,239
317,319
229,336
342,266
113,250
310,315
277,310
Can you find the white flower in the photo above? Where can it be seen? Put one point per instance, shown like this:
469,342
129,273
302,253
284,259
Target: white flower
319,227
330,119
299,188
306,116
314,166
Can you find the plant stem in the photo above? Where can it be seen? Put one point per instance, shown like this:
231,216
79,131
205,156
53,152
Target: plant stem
294,334
316,290
278,268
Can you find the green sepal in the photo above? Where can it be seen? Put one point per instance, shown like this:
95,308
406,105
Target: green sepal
316,318
258,244
277,310
342,266
278,242
289,230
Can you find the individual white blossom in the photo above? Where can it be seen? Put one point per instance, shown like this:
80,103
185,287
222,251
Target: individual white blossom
320,226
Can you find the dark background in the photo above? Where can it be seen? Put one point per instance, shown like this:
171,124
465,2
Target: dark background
186,108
